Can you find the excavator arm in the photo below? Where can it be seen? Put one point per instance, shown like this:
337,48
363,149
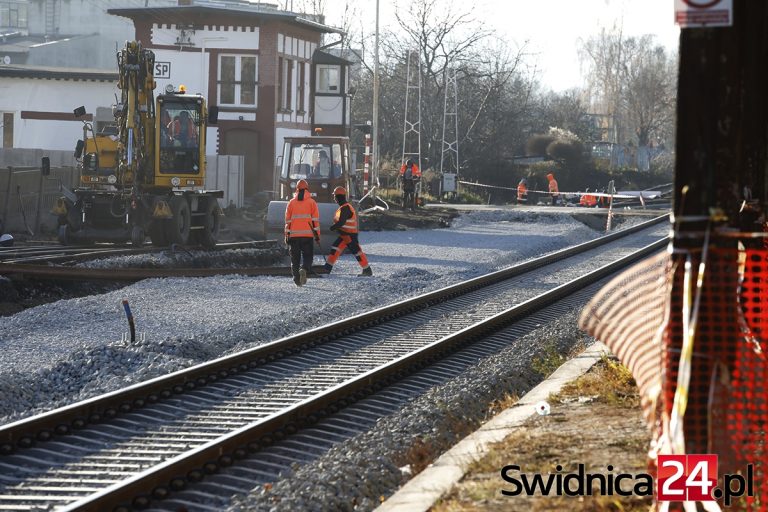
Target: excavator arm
136,115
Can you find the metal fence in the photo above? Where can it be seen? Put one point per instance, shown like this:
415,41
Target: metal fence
26,196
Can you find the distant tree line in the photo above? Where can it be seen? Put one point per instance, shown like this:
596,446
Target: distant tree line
503,110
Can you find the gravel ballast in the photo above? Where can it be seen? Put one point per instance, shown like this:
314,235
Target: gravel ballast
58,353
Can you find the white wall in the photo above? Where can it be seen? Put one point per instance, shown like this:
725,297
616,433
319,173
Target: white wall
328,109
233,38
185,69
211,140
17,94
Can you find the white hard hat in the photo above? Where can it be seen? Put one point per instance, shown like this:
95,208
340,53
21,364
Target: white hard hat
6,240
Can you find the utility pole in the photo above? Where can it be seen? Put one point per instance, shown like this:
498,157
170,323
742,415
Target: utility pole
375,168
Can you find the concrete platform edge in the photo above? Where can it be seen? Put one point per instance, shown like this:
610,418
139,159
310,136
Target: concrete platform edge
423,490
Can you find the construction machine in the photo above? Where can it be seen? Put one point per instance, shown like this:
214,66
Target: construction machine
147,175
325,163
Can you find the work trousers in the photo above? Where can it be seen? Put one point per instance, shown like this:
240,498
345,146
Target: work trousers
409,194
344,241
302,252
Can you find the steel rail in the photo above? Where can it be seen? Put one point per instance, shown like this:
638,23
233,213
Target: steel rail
61,421
222,389
137,274
66,254
156,483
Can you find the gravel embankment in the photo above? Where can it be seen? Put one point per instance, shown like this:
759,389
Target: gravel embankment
356,474
65,351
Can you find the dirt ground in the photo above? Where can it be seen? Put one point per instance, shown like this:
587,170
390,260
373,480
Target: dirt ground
241,225
595,421
396,219
238,225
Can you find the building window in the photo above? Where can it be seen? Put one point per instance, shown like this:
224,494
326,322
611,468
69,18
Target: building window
238,76
328,79
300,87
285,84
13,14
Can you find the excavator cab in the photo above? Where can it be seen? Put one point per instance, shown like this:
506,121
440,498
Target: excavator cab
181,141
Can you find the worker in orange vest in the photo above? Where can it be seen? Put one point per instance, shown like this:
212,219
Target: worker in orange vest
410,175
588,200
302,224
522,191
345,222
183,130
553,190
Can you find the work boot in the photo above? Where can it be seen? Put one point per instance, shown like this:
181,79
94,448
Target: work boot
302,277
296,276
328,267
367,272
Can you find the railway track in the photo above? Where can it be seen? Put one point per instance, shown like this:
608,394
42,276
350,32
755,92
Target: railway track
37,263
45,254
153,440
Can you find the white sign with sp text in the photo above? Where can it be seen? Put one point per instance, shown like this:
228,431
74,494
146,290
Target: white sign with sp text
162,69
704,13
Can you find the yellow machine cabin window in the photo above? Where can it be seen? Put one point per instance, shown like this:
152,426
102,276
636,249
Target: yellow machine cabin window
180,138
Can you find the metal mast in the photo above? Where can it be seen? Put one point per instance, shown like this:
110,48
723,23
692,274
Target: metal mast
412,120
450,122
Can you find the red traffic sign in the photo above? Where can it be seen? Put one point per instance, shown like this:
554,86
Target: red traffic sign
704,13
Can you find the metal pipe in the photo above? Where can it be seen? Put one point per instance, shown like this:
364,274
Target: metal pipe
129,315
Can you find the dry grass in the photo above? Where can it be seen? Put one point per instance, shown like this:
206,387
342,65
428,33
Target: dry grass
605,428
609,382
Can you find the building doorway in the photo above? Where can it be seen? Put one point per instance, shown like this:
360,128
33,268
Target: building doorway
240,141
6,130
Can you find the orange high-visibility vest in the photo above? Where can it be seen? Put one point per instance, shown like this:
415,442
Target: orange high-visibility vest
350,226
415,172
522,192
302,218
553,187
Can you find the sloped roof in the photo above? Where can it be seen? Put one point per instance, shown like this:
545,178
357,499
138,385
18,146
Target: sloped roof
322,57
55,73
234,9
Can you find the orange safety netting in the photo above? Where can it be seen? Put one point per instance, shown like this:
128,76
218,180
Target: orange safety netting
639,316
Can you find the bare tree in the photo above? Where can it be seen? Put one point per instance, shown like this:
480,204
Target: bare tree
632,80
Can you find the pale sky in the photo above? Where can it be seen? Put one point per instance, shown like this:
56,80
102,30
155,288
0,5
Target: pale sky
551,27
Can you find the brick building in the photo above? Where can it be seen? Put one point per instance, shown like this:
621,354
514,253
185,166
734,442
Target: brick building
263,67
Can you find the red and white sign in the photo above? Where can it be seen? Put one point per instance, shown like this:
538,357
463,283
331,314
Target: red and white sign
704,13
687,478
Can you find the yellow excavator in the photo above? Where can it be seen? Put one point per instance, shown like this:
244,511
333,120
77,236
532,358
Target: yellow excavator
146,176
